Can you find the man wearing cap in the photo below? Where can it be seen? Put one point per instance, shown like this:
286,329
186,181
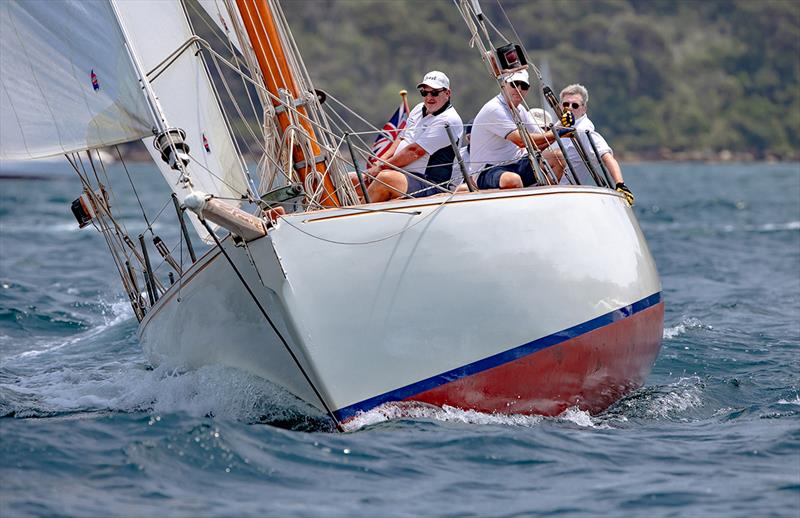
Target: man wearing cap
497,148
575,98
423,149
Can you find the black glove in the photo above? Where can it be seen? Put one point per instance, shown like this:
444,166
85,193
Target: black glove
623,189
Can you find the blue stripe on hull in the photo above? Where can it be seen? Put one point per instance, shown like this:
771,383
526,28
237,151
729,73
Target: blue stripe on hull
508,356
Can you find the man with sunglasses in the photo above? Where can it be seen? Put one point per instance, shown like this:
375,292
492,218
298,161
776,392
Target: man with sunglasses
497,149
423,149
575,98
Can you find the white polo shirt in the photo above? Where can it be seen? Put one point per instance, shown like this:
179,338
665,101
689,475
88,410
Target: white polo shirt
581,125
427,130
488,143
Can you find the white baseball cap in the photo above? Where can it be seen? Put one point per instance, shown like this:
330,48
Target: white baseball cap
521,75
541,117
435,79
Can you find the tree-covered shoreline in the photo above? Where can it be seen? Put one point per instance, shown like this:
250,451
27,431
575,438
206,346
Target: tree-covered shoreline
685,80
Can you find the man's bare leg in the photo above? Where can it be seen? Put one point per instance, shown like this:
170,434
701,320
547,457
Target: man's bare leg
388,185
556,160
509,180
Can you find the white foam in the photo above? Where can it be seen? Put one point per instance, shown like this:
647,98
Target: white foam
212,390
795,401
217,391
581,418
764,227
685,325
680,396
69,226
422,411
724,227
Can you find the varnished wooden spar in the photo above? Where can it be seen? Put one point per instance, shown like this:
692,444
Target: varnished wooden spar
260,25
241,223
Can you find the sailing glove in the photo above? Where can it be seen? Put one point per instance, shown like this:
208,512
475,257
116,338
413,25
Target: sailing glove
567,127
563,132
567,119
623,189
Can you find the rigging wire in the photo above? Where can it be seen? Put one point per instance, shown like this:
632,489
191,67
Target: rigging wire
274,327
135,192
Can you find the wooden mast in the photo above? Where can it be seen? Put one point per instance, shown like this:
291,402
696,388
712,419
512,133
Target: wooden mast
262,31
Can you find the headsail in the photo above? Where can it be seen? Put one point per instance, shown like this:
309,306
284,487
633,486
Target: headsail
219,13
156,29
67,80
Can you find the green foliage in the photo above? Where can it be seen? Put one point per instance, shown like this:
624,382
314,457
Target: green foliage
664,76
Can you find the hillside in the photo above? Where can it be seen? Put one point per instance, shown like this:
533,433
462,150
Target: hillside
687,79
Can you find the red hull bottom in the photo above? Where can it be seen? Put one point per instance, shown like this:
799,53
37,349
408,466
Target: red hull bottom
590,372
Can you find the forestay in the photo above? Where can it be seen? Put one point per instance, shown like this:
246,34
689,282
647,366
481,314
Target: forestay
67,81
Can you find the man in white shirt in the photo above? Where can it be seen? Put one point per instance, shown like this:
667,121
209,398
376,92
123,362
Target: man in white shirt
423,149
575,98
497,149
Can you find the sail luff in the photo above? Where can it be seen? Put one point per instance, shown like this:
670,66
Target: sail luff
152,101
270,54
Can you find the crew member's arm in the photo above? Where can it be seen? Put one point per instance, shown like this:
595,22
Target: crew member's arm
616,173
390,150
540,140
613,167
402,158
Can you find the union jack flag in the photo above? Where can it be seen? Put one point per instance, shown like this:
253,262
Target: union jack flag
391,130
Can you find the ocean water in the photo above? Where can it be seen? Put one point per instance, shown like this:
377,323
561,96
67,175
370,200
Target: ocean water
88,428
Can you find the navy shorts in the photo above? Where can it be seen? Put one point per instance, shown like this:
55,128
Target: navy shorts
490,178
419,189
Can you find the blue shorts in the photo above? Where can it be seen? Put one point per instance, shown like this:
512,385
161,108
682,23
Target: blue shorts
418,189
490,178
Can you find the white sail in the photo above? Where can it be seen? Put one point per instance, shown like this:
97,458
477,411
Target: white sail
218,11
157,28
66,80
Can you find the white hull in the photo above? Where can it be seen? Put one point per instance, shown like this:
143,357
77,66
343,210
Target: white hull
375,301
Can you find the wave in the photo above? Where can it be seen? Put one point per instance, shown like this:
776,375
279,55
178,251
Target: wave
413,410
685,325
69,226
113,314
131,387
660,402
764,227
725,228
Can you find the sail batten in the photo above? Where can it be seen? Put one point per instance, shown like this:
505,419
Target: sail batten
67,81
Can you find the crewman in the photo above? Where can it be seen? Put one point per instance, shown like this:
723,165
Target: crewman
423,149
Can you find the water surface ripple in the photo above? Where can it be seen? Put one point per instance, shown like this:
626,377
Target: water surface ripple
89,428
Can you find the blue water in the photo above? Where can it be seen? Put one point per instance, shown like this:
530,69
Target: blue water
90,429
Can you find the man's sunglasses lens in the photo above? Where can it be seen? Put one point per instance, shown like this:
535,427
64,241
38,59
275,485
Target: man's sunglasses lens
520,85
575,106
432,93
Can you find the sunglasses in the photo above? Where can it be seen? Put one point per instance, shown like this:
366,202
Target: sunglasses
432,93
575,106
520,85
